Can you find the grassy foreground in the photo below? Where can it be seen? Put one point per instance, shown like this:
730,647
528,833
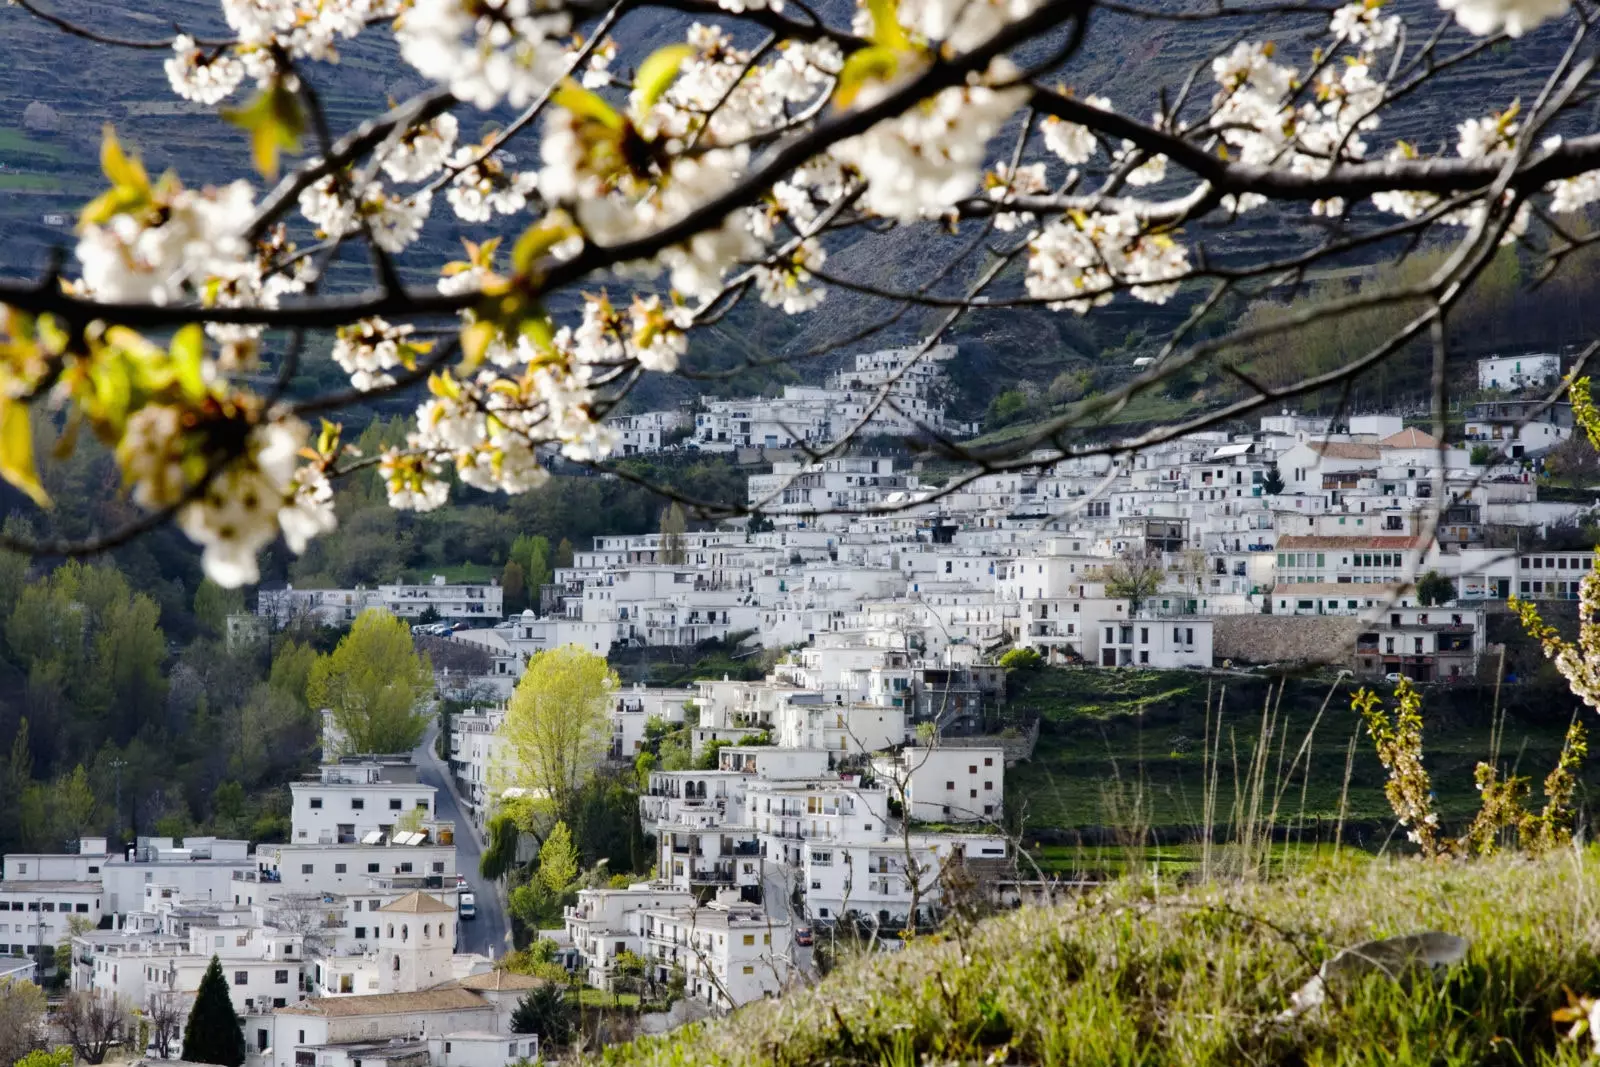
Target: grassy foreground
1148,974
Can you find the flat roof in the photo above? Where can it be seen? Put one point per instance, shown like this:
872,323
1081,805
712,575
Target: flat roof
17,885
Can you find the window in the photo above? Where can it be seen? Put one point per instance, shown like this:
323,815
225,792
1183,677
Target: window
358,905
949,785
49,906
988,785
241,977
338,868
988,761
372,868
394,803
749,968
358,804
422,805
82,909
972,768
280,977
1144,657
22,868
749,939
305,868
405,868
361,933
316,802
438,867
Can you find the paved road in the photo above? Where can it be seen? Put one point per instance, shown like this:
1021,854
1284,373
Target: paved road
490,932
775,890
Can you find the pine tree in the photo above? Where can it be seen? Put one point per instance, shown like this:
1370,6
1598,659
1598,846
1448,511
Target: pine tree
213,1034
1272,481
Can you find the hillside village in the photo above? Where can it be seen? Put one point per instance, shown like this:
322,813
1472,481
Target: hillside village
846,787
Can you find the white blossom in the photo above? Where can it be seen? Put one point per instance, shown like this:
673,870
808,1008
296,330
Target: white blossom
153,256
1365,26
1514,17
422,150
785,284
368,350
1073,143
485,51
921,162
199,77
1077,262
484,187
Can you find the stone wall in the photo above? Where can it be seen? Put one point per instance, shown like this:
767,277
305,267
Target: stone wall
1286,638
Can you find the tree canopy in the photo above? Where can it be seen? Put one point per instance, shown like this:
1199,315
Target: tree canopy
557,726
213,1033
374,684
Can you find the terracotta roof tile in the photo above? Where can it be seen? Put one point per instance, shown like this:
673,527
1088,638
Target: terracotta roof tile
417,902
1312,541
1410,437
448,998
1344,449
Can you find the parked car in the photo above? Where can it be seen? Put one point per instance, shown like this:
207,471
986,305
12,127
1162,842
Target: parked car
468,906
1392,677
802,936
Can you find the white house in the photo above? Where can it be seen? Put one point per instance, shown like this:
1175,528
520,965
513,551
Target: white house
1508,374
946,783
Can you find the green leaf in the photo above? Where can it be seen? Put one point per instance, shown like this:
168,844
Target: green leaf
536,240
16,451
886,28
275,120
657,73
581,102
119,168
188,360
873,63
475,340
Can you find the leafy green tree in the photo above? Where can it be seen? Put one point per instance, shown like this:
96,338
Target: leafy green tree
1272,481
22,1006
1480,456
1021,659
564,553
513,587
557,727
1434,588
1133,578
291,669
74,809
61,1057
228,807
213,1034
500,850
374,684
544,1011
673,527
212,606
558,860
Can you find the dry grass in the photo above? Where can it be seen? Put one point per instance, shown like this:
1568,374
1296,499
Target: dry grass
1142,973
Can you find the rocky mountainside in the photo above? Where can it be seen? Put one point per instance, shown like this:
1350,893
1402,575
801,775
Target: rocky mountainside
58,91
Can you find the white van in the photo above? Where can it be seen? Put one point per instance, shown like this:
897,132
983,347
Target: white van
468,906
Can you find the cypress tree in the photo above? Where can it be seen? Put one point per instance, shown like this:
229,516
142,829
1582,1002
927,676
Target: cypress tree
213,1034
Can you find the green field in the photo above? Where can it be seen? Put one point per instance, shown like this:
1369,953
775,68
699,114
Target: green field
15,144
1128,751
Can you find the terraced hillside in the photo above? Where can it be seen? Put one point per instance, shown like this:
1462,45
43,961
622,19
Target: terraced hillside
57,91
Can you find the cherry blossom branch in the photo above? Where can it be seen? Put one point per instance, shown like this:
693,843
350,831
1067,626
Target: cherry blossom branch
352,146
69,27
